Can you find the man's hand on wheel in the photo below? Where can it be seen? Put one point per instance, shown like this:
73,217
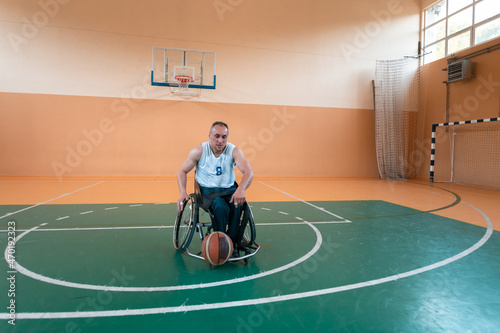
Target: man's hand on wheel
182,199
238,197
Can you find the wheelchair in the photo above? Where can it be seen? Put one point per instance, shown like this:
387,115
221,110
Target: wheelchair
187,223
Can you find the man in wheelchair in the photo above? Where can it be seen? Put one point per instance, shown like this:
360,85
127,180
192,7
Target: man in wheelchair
221,196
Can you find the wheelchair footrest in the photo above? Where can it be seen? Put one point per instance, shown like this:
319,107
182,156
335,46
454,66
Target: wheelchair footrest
249,250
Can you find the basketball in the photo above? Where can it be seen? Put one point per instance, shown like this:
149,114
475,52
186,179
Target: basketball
217,248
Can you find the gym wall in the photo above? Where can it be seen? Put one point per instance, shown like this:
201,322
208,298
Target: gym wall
475,98
293,83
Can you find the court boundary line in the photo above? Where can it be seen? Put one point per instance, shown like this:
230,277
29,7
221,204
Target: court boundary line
167,226
43,203
303,201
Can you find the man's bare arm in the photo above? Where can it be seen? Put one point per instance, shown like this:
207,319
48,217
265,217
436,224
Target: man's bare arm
187,166
239,197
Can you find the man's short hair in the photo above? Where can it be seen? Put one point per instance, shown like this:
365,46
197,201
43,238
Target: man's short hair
219,123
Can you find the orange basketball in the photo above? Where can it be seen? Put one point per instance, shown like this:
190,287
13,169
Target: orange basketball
217,248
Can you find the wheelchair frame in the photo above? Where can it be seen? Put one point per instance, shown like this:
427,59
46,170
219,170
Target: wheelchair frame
188,222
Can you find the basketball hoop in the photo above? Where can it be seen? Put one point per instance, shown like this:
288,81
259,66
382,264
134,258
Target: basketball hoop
183,81
182,77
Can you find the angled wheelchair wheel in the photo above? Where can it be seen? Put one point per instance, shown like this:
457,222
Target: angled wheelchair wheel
249,232
246,246
185,224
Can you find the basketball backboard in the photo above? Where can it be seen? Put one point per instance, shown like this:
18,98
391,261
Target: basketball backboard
183,68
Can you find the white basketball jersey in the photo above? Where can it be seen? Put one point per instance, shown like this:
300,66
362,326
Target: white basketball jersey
214,171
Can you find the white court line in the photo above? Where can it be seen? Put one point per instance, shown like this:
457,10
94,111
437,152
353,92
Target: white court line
62,218
95,228
110,208
300,223
87,212
166,226
42,203
39,277
331,222
307,203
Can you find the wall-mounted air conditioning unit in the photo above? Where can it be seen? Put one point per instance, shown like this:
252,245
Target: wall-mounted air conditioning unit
460,70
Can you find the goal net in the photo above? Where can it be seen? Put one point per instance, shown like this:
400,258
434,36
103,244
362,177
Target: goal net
467,153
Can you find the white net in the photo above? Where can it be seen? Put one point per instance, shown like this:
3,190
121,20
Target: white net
183,75
399,115
468,154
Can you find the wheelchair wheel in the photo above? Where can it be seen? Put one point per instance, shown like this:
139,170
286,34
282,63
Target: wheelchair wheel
185,224
249,232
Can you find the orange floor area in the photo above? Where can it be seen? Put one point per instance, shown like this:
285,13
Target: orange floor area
422,195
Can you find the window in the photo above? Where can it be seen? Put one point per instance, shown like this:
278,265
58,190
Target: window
454,25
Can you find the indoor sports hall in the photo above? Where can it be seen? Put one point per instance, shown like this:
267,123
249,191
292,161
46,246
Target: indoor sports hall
372,129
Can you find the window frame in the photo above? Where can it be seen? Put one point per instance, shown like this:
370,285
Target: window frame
447,37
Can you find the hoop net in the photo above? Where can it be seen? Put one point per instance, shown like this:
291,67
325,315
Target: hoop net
184,81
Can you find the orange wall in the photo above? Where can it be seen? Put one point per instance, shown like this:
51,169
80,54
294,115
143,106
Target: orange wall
293,82
65,136
70,72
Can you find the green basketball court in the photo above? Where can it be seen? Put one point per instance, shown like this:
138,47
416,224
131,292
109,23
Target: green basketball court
330,266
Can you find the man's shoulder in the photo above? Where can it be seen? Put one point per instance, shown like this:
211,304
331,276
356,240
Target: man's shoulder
196,152
230,148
